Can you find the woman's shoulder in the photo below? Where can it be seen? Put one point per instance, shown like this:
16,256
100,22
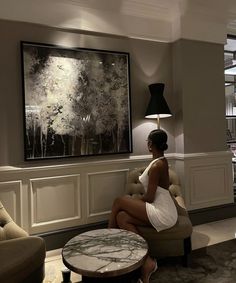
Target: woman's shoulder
159,161
159,164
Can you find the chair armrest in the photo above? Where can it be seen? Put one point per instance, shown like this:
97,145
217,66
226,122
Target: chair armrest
176,193
11,231
8,228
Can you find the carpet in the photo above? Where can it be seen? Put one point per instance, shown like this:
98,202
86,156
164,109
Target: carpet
212,264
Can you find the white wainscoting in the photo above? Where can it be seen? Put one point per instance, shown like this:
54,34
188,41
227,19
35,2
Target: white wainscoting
11,194
206,178
49,198
103,188
54,200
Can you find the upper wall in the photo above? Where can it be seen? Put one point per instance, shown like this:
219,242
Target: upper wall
199,88
150,62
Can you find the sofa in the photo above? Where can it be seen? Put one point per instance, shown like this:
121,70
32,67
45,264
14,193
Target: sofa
175,241
21,256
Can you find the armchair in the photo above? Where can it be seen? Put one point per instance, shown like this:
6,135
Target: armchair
21,256
175,241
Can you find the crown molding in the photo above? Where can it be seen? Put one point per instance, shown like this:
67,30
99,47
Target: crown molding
160,20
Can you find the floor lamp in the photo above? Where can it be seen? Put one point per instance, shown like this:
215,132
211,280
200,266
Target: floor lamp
157,106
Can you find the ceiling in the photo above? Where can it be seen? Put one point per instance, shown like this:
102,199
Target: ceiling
161,20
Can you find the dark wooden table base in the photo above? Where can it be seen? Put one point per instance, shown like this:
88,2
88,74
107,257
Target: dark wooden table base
131,277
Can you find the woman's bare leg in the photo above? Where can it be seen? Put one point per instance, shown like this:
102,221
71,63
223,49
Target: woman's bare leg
127,222
128,213
147,268
135,208
112,219
130,223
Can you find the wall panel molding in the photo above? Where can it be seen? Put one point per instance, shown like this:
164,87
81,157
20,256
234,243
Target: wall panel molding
202,177
54,202
102,188
206,179
11,197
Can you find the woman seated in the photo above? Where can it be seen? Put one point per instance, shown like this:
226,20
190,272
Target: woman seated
156,208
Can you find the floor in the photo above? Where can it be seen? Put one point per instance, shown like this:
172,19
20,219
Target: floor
203,235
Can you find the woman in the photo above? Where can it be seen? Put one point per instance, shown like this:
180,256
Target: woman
156,208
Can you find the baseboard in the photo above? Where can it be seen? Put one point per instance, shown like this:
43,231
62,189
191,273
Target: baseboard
57,239
211,214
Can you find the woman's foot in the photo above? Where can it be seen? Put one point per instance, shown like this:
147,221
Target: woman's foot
149,267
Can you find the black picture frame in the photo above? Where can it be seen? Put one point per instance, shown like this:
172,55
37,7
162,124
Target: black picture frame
76,101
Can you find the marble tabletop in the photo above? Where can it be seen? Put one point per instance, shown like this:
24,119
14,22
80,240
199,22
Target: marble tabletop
105,252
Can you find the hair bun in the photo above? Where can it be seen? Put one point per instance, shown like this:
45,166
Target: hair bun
163,146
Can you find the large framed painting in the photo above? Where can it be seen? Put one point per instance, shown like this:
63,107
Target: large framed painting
76,101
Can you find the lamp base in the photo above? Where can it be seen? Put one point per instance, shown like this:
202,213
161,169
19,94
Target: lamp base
158,122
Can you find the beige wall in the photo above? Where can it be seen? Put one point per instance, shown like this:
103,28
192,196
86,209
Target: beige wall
191,70
150,62
193,74
199,86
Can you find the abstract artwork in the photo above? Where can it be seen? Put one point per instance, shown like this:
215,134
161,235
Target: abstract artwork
76,101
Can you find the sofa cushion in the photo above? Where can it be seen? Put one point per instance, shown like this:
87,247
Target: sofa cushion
20,257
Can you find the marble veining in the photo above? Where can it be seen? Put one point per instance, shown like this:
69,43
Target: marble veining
104,250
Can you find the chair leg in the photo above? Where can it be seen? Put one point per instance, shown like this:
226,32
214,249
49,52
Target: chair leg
187,251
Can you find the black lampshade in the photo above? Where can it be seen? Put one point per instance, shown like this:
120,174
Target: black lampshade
157,106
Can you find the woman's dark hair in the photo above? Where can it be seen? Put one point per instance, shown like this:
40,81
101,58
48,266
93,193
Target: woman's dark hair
159,139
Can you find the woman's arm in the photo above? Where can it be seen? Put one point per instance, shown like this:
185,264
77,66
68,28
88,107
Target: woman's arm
153,182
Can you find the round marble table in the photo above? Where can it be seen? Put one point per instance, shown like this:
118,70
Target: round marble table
105,254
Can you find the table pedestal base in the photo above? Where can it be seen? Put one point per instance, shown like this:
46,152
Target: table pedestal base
131,277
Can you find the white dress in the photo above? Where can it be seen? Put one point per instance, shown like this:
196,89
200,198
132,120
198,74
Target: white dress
162,212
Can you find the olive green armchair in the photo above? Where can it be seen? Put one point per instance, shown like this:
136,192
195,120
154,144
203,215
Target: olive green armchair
21,256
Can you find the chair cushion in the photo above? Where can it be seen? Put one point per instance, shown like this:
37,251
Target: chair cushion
181,230
20,257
